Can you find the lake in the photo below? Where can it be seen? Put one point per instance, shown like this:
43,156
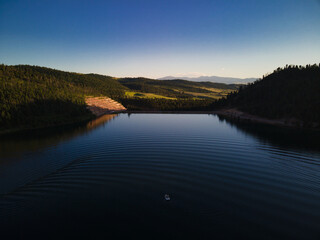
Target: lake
107,179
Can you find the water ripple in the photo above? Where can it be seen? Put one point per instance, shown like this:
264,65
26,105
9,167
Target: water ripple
218,179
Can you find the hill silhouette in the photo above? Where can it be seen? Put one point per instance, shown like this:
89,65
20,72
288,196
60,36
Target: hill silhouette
291,92
215,79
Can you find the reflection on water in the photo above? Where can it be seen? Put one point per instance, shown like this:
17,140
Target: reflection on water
100,121
42,138
278,136
106,181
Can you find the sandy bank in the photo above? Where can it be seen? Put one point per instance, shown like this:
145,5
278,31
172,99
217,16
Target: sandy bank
103,105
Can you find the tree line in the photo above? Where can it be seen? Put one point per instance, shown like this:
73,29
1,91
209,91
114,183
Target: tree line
289,92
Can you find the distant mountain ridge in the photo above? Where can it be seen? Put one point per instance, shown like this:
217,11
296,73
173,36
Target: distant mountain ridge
227,80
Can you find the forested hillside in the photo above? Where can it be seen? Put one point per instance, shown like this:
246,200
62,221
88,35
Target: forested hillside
172,95
33,96
179,88
290,92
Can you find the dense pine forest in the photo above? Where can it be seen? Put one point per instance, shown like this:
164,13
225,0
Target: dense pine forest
33,96
289,92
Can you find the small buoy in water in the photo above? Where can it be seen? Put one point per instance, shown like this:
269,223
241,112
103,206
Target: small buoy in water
167,197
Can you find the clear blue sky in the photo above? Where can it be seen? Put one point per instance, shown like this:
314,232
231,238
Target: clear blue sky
155,38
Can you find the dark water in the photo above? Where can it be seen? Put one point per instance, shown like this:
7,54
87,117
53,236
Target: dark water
107,180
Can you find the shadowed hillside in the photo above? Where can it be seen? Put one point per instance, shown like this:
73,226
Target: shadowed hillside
289,93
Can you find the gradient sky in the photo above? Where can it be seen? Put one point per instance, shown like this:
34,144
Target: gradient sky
156,38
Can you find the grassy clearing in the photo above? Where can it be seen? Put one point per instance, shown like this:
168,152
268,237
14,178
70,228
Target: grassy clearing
215,93
218,90
131,94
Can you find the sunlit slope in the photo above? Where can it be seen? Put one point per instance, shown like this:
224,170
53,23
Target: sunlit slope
177,88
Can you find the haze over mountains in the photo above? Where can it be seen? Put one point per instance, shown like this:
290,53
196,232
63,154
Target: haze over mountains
227,80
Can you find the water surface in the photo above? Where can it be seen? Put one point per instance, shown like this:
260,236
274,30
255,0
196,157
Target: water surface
108,179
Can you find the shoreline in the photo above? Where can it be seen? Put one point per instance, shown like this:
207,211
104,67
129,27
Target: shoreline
235,114
232,113
168,112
